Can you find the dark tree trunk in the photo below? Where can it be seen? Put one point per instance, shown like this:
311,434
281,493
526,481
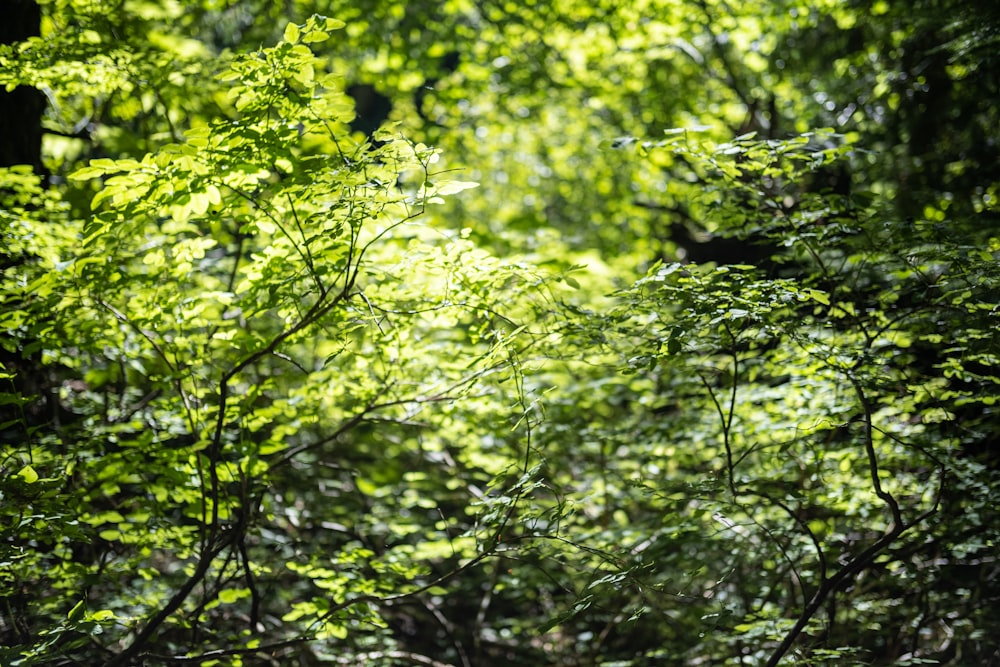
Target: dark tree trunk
21,112
21,109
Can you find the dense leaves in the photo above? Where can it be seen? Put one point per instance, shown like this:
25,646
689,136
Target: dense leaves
481,334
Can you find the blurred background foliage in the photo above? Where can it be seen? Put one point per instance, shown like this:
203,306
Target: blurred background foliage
702,372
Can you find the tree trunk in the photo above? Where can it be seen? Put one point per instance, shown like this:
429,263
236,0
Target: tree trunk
21,109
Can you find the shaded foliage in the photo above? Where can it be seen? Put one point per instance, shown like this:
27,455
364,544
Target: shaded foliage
701,372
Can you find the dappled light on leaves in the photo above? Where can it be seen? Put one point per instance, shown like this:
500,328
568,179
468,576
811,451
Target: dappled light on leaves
479,333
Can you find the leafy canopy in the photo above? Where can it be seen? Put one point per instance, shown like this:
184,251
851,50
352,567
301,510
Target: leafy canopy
472,334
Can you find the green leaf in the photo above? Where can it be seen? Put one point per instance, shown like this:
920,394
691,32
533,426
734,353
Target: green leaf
87,173
314,36
101,615
77,612
451,187
817,295
231,595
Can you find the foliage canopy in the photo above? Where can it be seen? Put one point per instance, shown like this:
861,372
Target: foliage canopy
489,334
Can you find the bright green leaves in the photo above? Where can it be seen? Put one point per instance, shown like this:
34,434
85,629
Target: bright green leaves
316,29
291,34
751,186
258,391
27,474
288,78
434,192
264,176
262,325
